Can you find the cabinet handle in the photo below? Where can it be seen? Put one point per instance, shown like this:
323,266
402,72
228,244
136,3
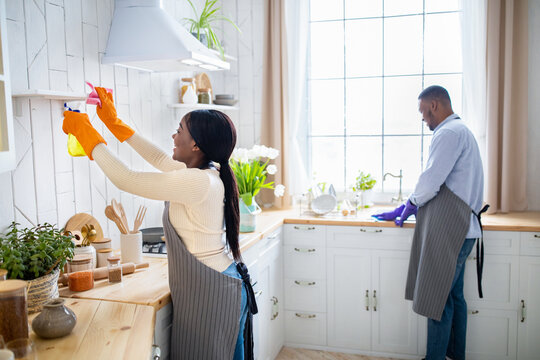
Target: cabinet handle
275,307
523,311
537,236
258,293
374,300
304,250
367,300
272,237
156,352
474,312
304,283
304,227
471,258
305,316
371,231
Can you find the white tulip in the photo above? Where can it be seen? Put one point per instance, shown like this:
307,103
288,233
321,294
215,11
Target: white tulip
272,169
272,153
279,190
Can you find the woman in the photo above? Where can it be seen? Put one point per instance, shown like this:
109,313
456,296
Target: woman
210,303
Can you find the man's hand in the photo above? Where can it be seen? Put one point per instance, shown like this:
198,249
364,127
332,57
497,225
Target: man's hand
390,215
410,209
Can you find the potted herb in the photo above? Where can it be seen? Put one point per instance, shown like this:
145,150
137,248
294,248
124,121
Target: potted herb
35,254
201,25
364,182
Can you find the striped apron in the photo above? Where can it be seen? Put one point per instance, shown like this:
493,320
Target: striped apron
206,304
441,227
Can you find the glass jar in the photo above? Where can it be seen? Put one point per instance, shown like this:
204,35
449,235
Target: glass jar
13,310
115,269
102,255
79,263
81,280
203,95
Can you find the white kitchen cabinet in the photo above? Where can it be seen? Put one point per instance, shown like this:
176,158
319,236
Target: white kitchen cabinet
270,319
7,139
529,309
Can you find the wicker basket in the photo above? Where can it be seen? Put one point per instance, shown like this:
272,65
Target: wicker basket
41,290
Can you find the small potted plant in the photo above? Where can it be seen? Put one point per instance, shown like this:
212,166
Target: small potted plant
364,182
250,171
201,25
36,255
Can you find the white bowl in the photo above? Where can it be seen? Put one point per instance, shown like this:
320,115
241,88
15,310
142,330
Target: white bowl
228,102
323,204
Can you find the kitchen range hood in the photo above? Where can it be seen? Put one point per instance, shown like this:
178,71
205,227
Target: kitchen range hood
145,37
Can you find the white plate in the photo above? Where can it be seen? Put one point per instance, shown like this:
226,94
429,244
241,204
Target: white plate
323,204
228,102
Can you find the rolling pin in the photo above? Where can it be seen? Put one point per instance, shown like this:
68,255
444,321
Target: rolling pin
103,272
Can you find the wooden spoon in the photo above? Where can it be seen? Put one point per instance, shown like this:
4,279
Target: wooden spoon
118,209
111,214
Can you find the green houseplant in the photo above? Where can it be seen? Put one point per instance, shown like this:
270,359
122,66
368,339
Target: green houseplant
251,170
363,183
201,25
35,254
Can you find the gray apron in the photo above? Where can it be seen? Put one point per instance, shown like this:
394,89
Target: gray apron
206,304
441,227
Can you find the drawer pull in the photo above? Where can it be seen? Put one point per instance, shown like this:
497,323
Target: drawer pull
275,308
272,237
258,293
523,311
474,312
537,236
471,258
371,231
367,300
304,250
304,227
374,300
305,316
304,283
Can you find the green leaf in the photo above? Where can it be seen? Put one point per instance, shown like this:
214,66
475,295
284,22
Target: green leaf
247,198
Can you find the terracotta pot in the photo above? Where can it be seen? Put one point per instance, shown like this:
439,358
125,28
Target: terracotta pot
56,320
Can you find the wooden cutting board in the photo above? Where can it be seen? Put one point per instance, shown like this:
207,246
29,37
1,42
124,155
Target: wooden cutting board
77,221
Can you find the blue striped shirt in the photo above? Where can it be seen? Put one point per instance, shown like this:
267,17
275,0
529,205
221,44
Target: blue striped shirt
454,159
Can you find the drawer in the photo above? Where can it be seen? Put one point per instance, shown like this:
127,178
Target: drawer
499,283
367,237
304,262
305,295
530,243
305,328
306,235
501,242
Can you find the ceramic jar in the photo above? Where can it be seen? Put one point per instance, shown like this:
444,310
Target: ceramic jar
87,250
56,320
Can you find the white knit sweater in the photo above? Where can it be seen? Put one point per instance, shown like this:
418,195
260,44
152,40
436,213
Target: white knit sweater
196,197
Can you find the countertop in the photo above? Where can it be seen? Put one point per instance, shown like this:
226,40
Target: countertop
104,330
150,286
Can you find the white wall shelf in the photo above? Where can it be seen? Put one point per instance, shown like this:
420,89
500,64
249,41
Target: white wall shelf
202,106
50,94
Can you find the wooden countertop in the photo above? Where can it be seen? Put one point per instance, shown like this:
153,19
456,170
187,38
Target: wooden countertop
104,330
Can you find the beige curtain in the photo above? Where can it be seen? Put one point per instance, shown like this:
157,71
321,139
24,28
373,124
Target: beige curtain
274,102
507,115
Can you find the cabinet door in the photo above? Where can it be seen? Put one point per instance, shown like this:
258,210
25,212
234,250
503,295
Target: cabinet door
349,291
491,334
395,325
529,313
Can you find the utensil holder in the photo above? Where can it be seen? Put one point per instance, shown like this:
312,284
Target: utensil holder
131,247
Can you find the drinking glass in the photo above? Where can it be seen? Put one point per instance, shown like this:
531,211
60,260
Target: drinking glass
23,348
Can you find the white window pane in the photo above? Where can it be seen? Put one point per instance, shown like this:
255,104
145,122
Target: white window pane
453,84
442,5
427,142
364,106
403,45
364,154
327,50
327,114
363,44
401,114
402,152
325,10
327,161
443,43
362,8
400,7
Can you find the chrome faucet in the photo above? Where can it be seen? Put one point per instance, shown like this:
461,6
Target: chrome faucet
399,198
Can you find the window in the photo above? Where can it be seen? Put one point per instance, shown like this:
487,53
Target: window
368,61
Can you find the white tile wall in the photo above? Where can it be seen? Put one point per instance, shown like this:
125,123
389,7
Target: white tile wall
57,44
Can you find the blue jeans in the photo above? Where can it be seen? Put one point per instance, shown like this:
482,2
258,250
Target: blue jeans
239,349
448,336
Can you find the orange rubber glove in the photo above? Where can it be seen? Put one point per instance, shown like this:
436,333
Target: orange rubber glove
79,125
107,114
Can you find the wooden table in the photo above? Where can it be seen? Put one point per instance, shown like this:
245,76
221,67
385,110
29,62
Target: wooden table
104,330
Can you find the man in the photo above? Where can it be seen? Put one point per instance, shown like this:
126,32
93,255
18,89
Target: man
446,201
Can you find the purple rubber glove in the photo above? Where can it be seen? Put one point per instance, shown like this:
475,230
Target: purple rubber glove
410,209
390,215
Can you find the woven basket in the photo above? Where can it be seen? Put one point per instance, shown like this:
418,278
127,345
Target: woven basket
41,290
